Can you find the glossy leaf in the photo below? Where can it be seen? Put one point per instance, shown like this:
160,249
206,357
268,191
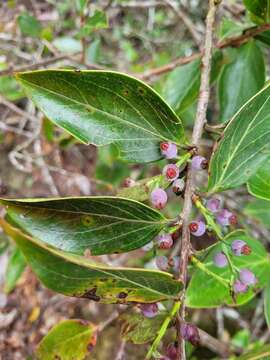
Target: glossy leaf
263,352
99,225
139,329
267,304
264,37
244,145
246,64
15,268
259,210
29,25
259,183
77,276
260,8
68,340
208,291
102,107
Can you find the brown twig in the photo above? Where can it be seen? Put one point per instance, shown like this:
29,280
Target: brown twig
234,41
196,135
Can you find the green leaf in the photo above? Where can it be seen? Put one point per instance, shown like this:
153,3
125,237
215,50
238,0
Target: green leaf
102,107
207,291
259,210
67,45
262,353
10,89
246,64
68,340
244,144
264,37
140,329
76,276
93,52
267,304
260,8
101,225
29,25
95,22
15,268
229,28
259,184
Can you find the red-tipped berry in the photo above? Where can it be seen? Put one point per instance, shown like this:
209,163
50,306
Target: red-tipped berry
171,171
165,241
178,186
197,228
128,182
162,263
159,198
190,333
169,150
239,287
240,247
247,277
149,310
199,163
220,260
213,205
171,352
225,218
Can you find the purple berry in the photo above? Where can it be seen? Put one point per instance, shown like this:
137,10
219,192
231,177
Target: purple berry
159,198
149,310
213,205
162,263
197,228
220,260
240,247
190,333
247,277
165,241
171,352
178,186
171,171
239,287
225,218
198,163
169,150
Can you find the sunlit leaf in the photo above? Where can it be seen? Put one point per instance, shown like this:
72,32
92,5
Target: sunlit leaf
15,268
259,183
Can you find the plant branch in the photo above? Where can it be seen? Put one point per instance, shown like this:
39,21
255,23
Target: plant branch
233,41
196,136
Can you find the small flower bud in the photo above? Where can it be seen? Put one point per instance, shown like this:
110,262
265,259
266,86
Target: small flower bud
239,287
190,333
213,205
247,277
128,182
225,218
174,262
159,198
165,241
199,163
149,310
148,246
171,171
178,186
240,247
171,351
220,260
197,228
169,150
162,263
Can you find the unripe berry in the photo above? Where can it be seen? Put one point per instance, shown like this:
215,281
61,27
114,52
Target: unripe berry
148,246
247,277
169,150
190,333
240,247
165,241
213,205
159,198
225,218
128,182
220,260
199,163
197,228
171,172
178,186
171,352
162,263
149,310
239,287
